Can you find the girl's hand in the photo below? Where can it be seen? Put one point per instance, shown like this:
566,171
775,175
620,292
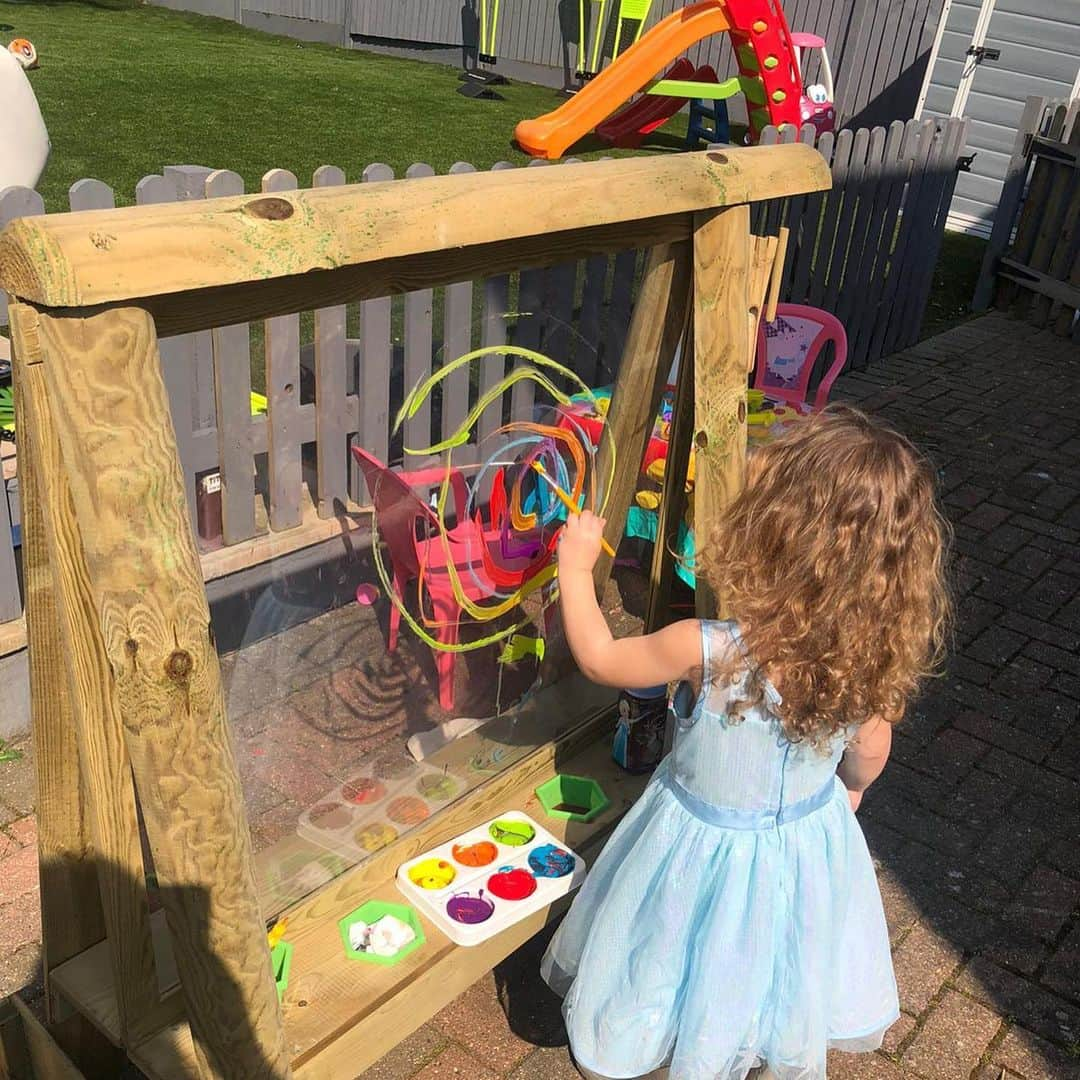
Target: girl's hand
579,544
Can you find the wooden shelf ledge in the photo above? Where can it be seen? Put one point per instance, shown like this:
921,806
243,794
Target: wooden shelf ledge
342,1015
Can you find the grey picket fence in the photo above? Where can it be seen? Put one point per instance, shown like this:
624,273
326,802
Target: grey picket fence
864,250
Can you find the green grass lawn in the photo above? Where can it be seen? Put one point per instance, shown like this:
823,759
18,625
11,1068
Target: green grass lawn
126,90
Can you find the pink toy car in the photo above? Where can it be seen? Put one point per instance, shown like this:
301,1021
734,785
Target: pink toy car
816,105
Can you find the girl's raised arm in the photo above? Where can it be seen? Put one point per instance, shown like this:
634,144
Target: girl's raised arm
635,662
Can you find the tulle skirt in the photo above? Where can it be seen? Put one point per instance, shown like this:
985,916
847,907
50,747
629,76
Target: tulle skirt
714,950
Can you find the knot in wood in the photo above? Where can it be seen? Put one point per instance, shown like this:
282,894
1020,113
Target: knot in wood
178,666
717,158
270,209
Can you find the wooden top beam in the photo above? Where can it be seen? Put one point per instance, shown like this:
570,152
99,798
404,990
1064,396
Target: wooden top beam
109,257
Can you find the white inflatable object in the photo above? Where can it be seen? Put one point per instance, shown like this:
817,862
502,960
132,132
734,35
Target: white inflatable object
24,142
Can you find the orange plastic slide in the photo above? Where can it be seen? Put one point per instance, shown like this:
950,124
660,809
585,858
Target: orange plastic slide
549,136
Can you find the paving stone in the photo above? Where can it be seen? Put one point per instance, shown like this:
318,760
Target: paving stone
20,969
1025,1054
842,1066
19,873
1045,903
547,1063
478,1023
952,1039
996,646
409,1056
23,831
897,1035
20,921
1043,1012
990,730
1062,973
455,1064
922,963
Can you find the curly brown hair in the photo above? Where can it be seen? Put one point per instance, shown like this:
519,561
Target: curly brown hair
832,561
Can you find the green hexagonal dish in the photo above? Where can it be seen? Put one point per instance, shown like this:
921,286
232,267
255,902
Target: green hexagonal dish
371,912
575,798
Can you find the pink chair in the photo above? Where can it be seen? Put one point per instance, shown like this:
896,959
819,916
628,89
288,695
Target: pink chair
410,529
789,347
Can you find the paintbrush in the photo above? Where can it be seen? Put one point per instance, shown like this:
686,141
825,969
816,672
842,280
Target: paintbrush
568,502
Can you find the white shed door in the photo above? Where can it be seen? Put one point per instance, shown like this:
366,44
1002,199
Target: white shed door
991,55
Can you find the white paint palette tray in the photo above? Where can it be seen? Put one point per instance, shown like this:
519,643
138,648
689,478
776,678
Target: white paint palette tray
491,877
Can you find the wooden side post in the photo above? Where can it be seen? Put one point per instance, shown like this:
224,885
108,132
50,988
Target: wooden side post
656,328
105,767
109,407
723,321
71,913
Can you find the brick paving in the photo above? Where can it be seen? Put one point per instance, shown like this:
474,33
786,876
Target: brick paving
975,825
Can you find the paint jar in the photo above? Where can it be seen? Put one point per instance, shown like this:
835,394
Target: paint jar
639,736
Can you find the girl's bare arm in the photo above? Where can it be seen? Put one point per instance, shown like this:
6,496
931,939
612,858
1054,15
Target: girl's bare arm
865,758
635,662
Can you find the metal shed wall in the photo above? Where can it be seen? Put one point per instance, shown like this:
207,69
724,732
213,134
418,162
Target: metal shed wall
1039,42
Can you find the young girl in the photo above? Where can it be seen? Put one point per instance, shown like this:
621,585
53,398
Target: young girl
733,922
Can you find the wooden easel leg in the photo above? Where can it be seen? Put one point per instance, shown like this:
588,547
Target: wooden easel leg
104,376
673,500
71,912
657,326
106,770
722,343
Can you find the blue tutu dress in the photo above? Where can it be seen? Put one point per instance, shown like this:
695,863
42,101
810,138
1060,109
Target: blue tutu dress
734,918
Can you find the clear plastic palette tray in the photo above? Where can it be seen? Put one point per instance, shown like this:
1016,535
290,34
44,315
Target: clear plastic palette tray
377,804
452,885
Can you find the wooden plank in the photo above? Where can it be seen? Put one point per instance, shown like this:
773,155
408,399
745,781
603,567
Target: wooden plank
1065,319
850,308
761,213
103,375
457,341
797,207
834,200
331,407
177,356
16,202
673,500
72,918
592,303
494,330
260,237
190,183
47,1060
721,313
620,304
901,268
1012,192
803,264
915,151
944,185
1038,282
898,167
232,386
1027,226
838,265
1061,216
656,329
376,362
418,348
13,636
102,756
282,353
14,1053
